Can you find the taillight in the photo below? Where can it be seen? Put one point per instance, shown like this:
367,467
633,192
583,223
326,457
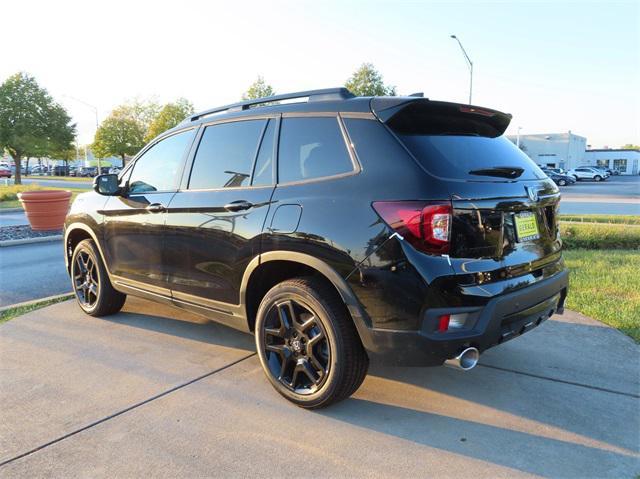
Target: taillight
426,225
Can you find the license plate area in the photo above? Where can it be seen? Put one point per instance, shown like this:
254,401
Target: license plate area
526,224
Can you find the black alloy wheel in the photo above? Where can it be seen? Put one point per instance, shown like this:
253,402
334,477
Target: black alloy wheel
307,343
562,182
93,289
296,347
86,281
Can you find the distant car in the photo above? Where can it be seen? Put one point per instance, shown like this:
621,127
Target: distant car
558,171
587,173
5,172
560,180
73,171
606,171
87,171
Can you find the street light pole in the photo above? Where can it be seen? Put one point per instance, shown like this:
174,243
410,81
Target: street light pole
95,110
470,66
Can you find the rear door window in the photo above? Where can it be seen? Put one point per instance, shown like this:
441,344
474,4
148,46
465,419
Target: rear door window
311,148
226,154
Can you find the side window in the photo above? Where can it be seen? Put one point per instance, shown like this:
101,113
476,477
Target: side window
225,155
159,167
311,148
263,170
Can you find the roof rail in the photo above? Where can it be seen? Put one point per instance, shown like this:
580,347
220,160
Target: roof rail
325,94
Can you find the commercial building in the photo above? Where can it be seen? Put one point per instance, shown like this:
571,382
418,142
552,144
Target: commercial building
568,150
555,150
626,162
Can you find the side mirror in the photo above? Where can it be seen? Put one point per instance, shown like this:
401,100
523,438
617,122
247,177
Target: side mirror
107,185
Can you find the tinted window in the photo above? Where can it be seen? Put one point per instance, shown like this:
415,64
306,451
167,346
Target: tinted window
159,167
225,155
474,158
311,148
263,171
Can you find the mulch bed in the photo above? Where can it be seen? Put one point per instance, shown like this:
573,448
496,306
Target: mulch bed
24,232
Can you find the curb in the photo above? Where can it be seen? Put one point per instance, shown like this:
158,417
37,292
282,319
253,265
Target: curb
10,210
39,239
36,301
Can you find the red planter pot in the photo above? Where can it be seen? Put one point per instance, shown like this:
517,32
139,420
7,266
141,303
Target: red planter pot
45,209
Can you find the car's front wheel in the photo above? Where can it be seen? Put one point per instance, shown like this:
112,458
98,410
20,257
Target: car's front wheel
562,182
307,343
93,289
597,178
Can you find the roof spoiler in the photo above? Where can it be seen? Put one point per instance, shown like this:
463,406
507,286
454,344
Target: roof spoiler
411,115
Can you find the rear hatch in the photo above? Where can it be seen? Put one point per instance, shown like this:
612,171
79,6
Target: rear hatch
504,208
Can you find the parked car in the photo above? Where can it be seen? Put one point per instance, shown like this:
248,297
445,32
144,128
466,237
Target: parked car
560,180
87,171
604,170
60,170
342,230
5,172
587,173
114,170
73,171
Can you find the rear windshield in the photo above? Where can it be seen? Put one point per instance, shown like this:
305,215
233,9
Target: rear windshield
473,158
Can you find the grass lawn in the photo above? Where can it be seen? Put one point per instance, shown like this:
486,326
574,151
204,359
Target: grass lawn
605,284
11,313
9,194
615,219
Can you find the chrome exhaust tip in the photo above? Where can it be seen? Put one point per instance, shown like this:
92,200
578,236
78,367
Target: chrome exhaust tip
464,361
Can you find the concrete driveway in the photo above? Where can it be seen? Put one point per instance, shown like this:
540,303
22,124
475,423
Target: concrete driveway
154,391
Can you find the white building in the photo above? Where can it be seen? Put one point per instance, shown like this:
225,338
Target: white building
555,150
626,162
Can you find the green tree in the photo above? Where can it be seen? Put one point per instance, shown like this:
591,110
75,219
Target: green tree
31,122
170,115
258,89
367,81
630,146
144,111
120,134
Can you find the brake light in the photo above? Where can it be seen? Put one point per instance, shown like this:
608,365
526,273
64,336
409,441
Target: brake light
425,225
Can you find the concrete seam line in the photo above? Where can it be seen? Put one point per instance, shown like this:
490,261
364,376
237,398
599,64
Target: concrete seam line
38,239
125,410
34,302
563,381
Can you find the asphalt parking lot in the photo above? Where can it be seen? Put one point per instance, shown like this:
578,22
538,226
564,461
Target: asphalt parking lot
154,391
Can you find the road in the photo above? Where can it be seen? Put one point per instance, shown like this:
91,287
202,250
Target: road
13,218
57,183
619,195
32,271
156,392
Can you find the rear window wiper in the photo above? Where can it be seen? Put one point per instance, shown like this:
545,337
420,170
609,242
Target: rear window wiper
499,171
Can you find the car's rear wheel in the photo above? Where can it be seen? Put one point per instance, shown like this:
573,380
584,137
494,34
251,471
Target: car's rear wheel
93,289
307,343
597,178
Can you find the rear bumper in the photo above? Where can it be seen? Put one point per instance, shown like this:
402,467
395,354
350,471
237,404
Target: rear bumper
503,318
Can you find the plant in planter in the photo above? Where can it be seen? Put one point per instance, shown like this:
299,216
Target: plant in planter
45,209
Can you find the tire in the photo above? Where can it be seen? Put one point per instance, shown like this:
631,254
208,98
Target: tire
597,178
93,289
308,345
562,182
576,178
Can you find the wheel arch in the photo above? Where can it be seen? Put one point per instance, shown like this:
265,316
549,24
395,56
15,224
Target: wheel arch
73,234
286,265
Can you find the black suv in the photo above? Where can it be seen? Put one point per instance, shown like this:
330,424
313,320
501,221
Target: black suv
337,229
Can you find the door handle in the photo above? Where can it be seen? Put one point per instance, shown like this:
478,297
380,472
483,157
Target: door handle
156,208
239,205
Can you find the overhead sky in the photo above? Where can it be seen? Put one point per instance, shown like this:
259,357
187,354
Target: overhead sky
556,66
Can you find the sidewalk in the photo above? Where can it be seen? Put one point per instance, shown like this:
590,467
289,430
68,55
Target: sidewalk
153,391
